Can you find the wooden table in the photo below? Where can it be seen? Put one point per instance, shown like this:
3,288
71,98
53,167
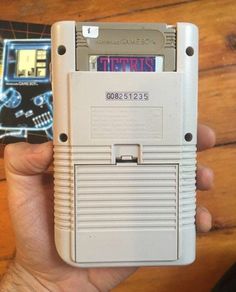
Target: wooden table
216,251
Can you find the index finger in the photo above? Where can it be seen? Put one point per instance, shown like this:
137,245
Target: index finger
205,137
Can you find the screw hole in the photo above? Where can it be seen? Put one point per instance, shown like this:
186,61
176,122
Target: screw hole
63,137
61,50
188,137
190,51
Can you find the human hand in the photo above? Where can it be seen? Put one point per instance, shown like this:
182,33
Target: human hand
37,266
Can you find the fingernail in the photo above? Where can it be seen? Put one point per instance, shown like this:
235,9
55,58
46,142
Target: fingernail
37,148
202,209
210,171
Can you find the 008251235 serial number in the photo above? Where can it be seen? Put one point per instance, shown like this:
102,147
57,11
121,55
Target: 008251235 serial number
127,95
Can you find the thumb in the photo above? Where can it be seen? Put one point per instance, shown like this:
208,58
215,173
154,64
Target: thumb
29,192
24,159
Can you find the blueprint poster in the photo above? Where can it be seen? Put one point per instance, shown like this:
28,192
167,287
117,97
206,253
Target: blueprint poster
25,87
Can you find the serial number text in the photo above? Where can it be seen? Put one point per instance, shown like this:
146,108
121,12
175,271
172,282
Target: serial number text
127,95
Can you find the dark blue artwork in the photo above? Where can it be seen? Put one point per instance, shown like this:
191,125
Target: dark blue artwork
26,110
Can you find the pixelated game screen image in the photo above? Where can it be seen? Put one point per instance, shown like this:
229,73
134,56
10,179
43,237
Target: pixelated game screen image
25,87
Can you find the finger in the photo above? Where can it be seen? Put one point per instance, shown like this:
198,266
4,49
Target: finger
205,178
205,137
203,219
27,159
30,197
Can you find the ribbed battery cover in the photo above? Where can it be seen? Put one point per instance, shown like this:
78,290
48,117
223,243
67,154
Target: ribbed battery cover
120,205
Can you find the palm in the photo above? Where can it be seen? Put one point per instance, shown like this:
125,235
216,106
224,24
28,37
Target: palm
31,207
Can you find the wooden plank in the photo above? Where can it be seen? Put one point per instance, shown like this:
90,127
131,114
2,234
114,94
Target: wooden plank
217,106
2,150
3,267
216,22
51,11
216,252
7,241
2,172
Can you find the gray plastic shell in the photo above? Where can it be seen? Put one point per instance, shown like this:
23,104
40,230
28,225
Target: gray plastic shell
80,112
127,39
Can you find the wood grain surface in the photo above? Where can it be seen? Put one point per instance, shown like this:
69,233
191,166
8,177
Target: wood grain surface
216,251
